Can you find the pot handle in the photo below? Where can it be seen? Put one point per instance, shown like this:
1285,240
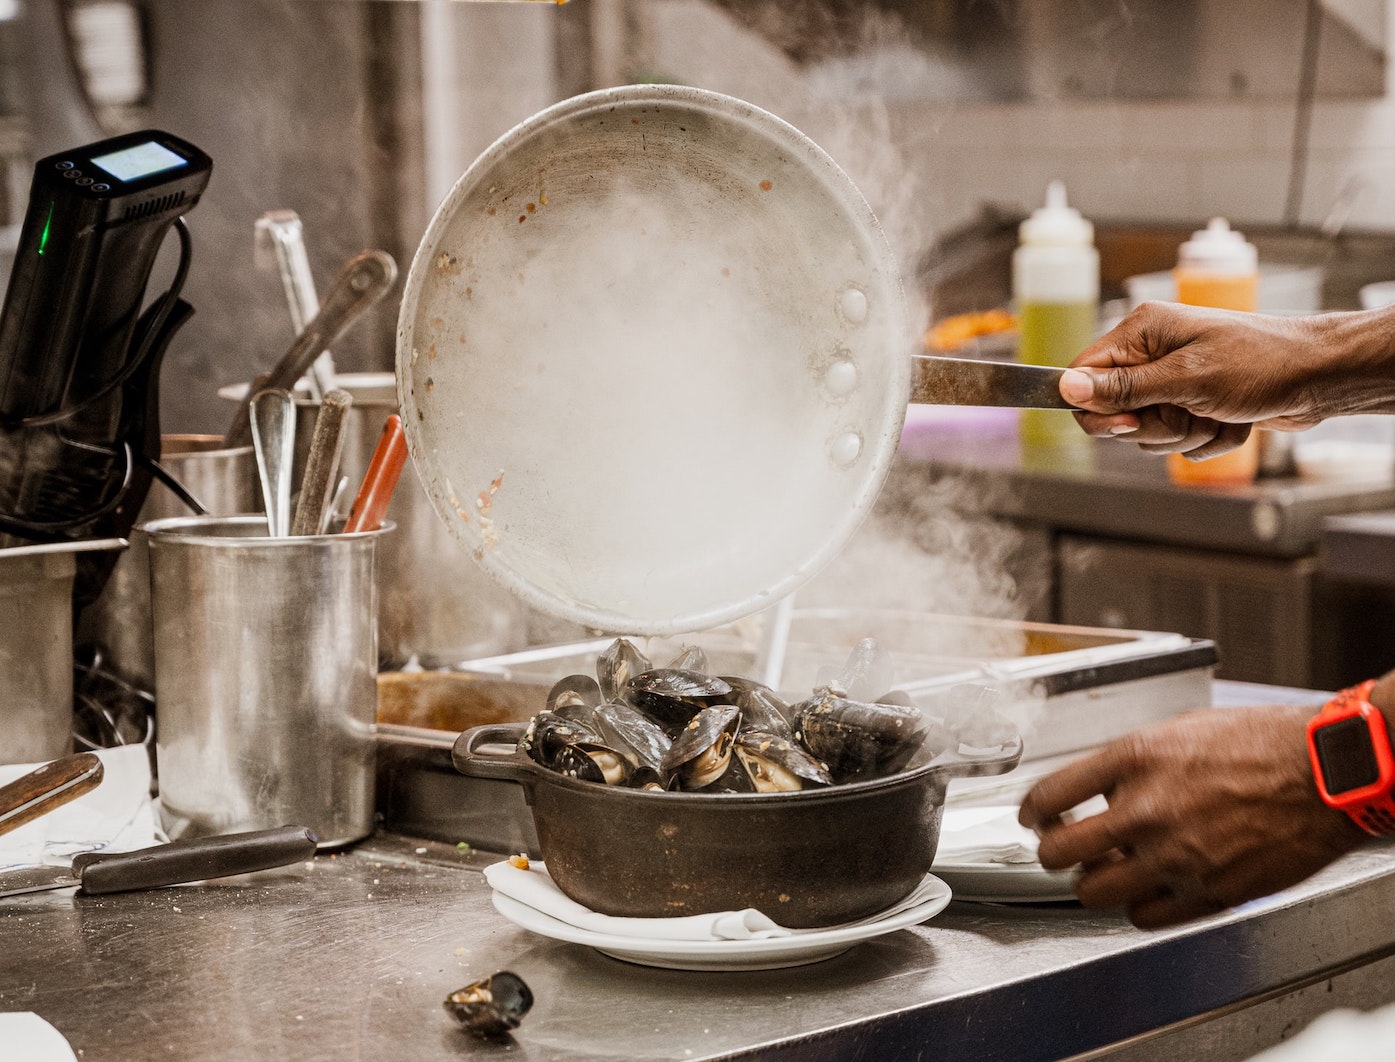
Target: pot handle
469,757
959,763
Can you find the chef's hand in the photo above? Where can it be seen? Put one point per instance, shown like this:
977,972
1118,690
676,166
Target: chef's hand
1207,810
1194,380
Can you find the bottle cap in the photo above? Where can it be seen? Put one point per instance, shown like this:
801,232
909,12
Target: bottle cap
1218,249
1056,224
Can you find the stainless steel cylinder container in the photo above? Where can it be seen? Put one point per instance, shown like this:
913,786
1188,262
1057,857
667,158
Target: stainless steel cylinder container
224,481
36,652
266,660
436,604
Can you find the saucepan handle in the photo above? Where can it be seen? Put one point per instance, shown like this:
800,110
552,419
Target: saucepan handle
966,762
971,382
472,758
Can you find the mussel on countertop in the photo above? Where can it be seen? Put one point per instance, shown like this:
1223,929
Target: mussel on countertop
679,728
492,1007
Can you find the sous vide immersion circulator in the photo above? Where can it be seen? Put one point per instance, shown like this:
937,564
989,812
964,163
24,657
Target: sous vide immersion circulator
79,350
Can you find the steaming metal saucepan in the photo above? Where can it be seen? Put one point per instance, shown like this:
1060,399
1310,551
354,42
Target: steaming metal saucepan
653,360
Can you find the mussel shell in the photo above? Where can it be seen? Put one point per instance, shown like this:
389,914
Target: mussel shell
574,696
672,696
690,658
548,734
774,764
702,751
492,1007
867,671
632,734
620,662
762,709
858,739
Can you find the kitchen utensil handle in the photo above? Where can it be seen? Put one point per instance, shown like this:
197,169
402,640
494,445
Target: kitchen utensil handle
470,760
996,760
273,439
384,470
193,860
285,232
363,281
322,463
48,787
972,382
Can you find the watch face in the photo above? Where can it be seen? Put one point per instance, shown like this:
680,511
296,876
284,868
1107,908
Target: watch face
1348,760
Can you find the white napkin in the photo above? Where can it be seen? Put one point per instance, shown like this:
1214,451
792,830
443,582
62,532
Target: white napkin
992,834
536,888
27,1036
117,816
984,835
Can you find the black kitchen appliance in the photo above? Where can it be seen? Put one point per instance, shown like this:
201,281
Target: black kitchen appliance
79,350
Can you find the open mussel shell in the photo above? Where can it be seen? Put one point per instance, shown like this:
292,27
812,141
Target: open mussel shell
575,697
672,696
701,753
492,1007
690,658
867,671
762,709
620,662
774,764
548,734
858,739
629,732
593,762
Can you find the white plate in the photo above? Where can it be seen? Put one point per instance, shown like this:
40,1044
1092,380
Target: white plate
771,953
1006,882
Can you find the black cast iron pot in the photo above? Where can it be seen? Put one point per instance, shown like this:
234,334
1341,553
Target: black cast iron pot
817,857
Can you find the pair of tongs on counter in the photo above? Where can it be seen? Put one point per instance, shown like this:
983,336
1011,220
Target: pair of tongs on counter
178,862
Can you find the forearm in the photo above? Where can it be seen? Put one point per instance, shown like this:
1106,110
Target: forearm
1353,364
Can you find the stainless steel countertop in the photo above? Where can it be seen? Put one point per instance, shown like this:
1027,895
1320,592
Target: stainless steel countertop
351,956
1118,490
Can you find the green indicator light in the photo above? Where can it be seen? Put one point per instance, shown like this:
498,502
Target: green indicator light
48,223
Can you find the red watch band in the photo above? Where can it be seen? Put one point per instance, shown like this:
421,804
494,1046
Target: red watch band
1371,806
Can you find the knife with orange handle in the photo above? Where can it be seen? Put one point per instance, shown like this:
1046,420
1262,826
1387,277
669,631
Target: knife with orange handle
384,470
48,787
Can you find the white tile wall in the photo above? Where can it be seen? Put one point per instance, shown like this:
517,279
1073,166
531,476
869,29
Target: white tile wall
1165,160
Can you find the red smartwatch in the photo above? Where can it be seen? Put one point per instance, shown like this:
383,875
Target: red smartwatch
1349,747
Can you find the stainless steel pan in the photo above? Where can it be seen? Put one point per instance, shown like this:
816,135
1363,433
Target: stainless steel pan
653,360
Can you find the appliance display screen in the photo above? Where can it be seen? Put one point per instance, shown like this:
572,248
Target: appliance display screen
140,160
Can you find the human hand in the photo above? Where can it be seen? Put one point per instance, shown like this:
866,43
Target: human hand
1207,810
1193,380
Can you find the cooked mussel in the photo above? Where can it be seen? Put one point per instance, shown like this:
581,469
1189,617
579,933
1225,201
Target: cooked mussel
774,764
492,1007
866,672
574,697
858,739
593,762
672,696
548,734
702,750
762,709
630,733
690,658
620,662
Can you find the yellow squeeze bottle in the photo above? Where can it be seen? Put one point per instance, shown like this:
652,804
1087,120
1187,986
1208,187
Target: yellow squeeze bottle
1056,292
1218,267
